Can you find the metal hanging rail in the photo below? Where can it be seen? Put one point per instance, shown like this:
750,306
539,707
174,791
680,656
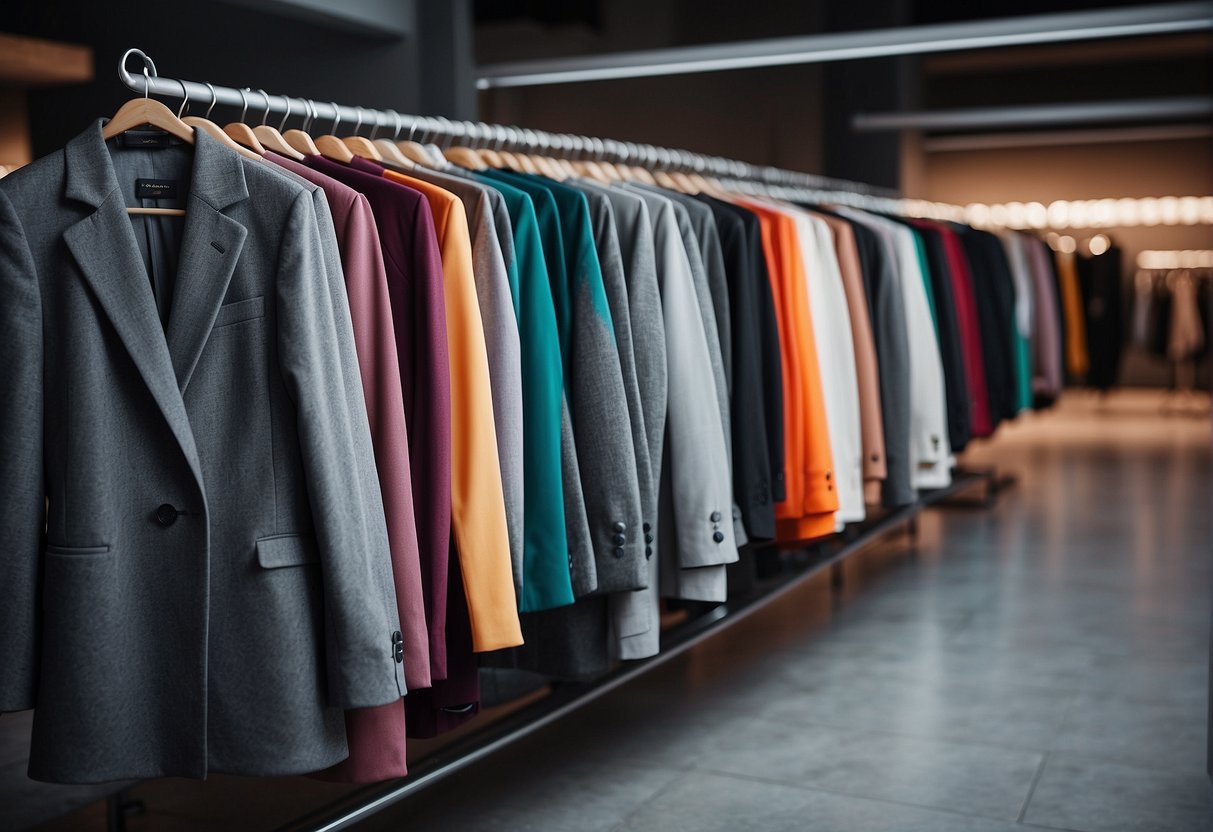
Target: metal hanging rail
258,104
1057,27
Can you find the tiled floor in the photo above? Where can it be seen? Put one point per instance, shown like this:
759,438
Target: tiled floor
1043,665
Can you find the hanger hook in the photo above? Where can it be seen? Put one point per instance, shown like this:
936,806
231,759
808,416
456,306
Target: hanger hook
336,117
399,124
282,124
147,83
214,98
375,126
185,99
244,102
266,114
308,115
358,124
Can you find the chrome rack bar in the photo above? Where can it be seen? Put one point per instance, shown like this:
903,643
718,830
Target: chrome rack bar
1052,27
260,105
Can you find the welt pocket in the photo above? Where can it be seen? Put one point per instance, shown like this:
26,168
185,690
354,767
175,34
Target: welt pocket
76,551
286,550
241,310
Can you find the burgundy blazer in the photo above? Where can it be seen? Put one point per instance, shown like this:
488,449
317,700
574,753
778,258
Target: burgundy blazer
415,287
970,332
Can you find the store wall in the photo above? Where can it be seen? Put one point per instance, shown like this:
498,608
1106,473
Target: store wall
419,60
1088,171
766,116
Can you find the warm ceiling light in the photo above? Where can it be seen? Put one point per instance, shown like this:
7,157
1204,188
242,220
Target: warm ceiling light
1099,244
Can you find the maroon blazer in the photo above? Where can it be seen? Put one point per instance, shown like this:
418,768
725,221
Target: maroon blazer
969,325
415,287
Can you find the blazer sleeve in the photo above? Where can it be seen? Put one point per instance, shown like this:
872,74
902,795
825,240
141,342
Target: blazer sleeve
315,353
379,366
696,462
23,509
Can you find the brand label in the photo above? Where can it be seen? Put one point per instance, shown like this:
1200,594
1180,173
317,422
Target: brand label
156,189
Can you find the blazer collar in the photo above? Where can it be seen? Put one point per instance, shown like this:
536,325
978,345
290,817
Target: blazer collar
217,177
104,245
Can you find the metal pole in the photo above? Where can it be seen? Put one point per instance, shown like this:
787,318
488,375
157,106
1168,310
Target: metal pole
844,46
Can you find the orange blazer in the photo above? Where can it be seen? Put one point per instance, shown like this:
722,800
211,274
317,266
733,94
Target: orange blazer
477,498
811,500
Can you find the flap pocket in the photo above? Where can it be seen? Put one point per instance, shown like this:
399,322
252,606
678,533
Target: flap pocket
76,551
241,310
286,550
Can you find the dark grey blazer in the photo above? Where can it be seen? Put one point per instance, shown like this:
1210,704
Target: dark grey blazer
213,585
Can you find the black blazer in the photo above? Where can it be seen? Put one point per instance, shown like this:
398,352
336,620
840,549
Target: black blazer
757,403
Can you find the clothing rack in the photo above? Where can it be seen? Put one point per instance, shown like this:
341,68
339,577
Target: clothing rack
805,559
742,176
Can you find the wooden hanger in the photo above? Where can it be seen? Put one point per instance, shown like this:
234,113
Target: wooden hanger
411,150
389,149
209,127
242,134
360,145
299,139
330,146
465,157
138,112
391,152
270,138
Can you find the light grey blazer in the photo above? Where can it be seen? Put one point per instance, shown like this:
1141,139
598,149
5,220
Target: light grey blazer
695,529
215,576
702,242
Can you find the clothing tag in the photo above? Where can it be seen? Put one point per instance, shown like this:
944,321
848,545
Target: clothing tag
145,138
155,189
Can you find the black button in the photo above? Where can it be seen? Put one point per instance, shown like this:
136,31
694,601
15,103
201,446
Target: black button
398,647
619,551
619,539
827,475
648,551
620,526
718,537
648,538
876,457
648,527
166,515
715,517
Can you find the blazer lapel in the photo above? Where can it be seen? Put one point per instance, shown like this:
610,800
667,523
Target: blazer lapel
210,247
104,246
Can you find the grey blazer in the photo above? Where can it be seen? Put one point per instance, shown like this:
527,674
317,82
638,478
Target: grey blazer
195,560
695,529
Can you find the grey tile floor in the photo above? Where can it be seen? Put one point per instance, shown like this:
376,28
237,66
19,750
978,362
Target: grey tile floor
1042,665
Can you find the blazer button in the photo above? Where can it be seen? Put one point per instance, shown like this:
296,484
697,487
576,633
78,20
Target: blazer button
648,537
620,526
648,551
715,517
718,537
619,539
648,527
166,515
619,551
